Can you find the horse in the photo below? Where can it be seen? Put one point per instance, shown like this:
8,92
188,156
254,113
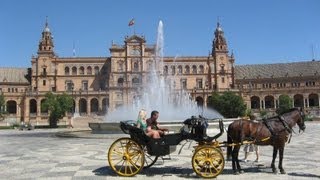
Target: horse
273,131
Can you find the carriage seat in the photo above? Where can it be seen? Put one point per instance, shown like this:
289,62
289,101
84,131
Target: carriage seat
136,133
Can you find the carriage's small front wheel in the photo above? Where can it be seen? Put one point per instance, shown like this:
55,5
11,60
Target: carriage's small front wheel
149,160
207,162
126,157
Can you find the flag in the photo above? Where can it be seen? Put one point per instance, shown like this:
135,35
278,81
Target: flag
131,23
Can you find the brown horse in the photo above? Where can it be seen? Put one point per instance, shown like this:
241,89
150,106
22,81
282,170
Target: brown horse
273,131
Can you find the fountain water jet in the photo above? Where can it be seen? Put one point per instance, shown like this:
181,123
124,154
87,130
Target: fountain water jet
160,94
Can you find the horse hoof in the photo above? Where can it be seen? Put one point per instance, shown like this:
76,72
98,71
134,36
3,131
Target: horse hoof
283,171
241,171
274,171
236,173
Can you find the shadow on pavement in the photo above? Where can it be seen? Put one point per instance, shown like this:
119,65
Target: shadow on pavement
304,175
183,172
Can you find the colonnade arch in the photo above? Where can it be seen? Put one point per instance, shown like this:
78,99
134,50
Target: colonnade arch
11,107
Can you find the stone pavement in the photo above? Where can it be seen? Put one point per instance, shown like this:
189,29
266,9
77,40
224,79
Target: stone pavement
40,154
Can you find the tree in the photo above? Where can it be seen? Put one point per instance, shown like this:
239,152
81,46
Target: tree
228,104
285,104
57,105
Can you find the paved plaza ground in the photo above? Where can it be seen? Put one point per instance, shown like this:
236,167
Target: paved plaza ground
40,154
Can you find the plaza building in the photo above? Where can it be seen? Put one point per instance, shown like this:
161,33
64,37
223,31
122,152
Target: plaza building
99,85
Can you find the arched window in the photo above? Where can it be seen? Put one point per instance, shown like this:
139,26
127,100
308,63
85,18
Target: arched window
12,107
135,66
81,70
74,70
179,69
94,104
165,70
89,70
96,70
194,69
255,102
67,71
201,69
269,102
187,69
173,70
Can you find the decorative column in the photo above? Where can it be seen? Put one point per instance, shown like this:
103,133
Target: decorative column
88,107
262,105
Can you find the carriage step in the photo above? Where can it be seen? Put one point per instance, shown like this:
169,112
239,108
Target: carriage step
166,158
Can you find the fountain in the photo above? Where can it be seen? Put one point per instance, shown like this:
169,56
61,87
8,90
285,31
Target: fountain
160,94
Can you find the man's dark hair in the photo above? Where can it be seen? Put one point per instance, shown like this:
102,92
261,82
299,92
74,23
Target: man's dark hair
154,113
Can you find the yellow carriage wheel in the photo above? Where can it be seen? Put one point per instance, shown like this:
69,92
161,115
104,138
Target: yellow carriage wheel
126,157
207,161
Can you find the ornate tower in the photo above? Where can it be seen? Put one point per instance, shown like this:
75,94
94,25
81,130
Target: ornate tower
44,65
222,66
46,42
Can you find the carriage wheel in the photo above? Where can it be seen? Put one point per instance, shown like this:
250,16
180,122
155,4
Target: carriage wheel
126,157
207,162
149,160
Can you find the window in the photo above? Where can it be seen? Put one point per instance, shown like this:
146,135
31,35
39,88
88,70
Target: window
179,69
135,66
96,70
44,71
89,70
44,82
81,70
84,85
183,83
199,84
222,79
67,71
69,85
74,71
194,69
187,69
165,70
173,70
201,69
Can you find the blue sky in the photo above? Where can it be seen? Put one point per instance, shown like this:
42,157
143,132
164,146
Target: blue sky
259,32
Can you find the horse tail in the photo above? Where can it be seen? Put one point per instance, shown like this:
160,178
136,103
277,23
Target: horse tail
229,141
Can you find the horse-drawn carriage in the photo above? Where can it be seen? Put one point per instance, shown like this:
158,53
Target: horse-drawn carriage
128,156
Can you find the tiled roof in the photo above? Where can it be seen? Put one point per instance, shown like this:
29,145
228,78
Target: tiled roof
295,69
13,75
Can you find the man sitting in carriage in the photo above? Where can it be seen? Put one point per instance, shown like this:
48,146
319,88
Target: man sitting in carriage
153,125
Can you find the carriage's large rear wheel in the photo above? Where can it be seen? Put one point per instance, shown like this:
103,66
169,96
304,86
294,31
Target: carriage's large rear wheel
207,161
126,157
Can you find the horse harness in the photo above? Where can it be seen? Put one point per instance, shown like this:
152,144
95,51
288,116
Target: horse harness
283,122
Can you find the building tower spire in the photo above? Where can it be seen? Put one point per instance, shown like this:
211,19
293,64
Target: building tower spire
46,42
219,43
